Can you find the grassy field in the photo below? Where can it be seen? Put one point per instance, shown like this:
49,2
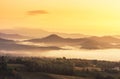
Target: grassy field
38,75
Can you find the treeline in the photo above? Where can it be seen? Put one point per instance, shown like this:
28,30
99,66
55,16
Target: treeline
47,65
104,65
57,66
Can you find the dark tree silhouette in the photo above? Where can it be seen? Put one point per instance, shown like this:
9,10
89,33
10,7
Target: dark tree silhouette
3,64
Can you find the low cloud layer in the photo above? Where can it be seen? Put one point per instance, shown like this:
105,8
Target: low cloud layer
36,12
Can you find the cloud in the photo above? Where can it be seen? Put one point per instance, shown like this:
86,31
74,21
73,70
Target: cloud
36,12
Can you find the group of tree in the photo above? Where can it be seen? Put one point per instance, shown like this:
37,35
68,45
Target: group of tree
57,66
6,72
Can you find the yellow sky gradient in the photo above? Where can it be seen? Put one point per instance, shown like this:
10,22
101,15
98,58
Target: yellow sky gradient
95,17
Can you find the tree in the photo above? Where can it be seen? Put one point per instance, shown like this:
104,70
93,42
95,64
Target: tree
3,63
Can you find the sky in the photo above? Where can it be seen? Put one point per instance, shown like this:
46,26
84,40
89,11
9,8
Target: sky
93,17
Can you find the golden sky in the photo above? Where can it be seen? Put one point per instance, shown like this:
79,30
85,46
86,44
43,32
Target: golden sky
96,17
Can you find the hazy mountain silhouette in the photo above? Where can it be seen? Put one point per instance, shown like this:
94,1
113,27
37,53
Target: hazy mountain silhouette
56,40
109,39
6,41
40,33
62,39
95,44
51,38
86,43
12,45
12,36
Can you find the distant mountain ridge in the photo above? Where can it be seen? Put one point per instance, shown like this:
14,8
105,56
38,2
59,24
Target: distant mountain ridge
12,36
53,38
6,41
50,38
93,42
41,33
10,45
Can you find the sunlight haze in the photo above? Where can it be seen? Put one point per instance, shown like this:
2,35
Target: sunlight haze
94,17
